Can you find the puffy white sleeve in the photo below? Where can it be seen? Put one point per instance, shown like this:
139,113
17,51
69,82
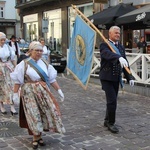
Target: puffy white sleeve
52,73
48,52
18,49
12,53
18,74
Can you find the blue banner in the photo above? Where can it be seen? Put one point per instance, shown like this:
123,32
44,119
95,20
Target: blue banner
81,51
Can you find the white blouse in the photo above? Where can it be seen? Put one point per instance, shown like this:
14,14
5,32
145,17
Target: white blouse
14,47
45,51
18,74
5,52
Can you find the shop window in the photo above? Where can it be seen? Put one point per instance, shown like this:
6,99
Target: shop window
32,31
148,37
53,37
86,9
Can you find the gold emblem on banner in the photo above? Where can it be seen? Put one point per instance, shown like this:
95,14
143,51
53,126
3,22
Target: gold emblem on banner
80,49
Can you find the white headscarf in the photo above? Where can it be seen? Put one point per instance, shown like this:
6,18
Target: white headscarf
35,45
2,35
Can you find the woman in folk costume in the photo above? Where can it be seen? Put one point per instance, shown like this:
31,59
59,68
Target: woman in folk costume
39,110
7,64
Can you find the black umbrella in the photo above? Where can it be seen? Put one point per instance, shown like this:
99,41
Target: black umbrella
136,19
108,16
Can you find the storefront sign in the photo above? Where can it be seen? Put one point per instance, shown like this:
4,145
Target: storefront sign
7,24
101,1
45,25
140,16
30,18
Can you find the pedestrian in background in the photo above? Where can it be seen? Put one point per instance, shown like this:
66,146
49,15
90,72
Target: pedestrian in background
46,51
112,65
142,45
7,64
13,43
39,110
21,41
23,56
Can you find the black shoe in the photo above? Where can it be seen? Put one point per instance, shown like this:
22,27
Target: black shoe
35,144
105,123
41,142
13,113
113,128
4,112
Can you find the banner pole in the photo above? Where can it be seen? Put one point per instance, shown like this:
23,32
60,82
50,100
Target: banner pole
95,28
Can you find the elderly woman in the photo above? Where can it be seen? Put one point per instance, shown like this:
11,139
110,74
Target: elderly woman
39,110
7,64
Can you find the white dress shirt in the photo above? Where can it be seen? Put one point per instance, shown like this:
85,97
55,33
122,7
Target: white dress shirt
14,48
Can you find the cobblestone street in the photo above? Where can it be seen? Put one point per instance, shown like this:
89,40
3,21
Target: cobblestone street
82,114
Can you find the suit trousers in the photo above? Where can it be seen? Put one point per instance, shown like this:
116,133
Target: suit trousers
111,91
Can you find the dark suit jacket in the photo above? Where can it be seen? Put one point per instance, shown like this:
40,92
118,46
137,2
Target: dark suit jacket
110,66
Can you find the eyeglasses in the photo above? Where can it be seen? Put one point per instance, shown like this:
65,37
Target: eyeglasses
39,50
3,40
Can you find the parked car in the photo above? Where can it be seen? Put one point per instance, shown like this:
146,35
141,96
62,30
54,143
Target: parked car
58,61
24,47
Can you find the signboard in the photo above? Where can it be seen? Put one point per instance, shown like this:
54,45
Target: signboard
101,1
30,18
45,25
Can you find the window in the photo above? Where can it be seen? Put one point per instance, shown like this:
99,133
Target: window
148,37
86,9
54,35
1,12
2,9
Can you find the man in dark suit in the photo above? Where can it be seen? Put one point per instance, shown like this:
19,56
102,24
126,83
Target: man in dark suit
14,44
112,65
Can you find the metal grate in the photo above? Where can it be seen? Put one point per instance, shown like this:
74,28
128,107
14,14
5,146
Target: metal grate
9,129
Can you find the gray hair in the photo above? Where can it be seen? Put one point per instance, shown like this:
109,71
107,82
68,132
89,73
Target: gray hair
113,27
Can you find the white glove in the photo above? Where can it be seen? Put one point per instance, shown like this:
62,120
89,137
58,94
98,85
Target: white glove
16,98
61,95
131,82
123,62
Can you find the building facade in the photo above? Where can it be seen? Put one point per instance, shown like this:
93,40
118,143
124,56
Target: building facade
51,19
9,23
54,19
135,2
